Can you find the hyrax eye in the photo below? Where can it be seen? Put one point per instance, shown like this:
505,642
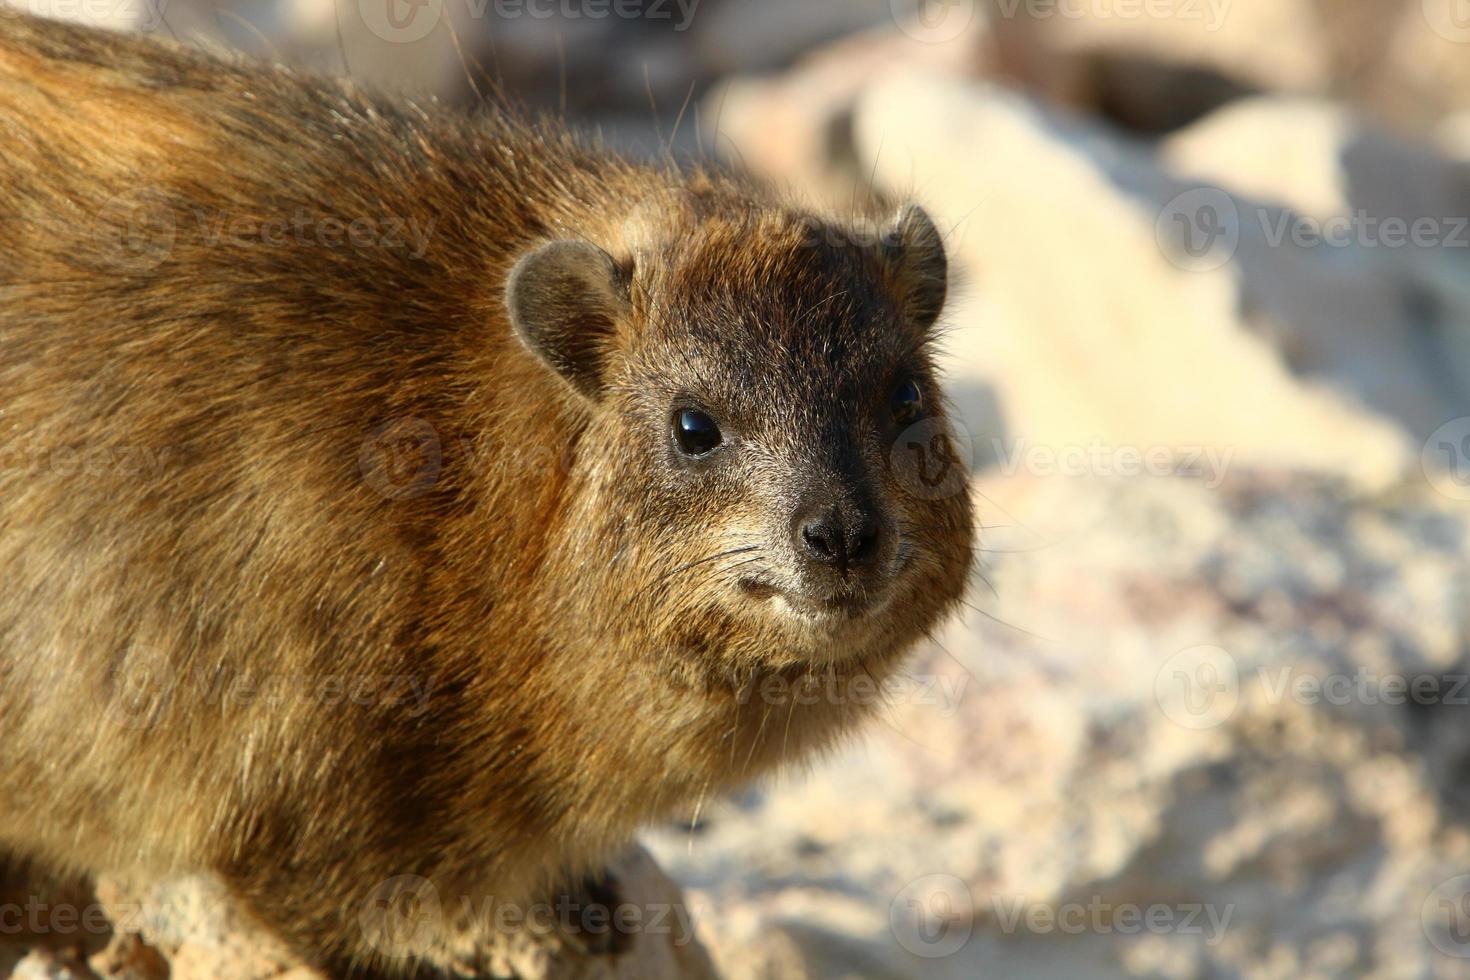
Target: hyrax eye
695,433
908,403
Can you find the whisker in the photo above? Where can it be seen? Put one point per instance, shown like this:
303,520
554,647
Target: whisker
756,740
1000,622
988,584
748,561
693,564
698,809
929,635
790,711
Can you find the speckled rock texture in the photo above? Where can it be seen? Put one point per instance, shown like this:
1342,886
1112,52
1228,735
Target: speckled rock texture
187,929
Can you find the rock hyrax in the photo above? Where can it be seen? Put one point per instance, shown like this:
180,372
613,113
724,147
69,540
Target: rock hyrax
390,495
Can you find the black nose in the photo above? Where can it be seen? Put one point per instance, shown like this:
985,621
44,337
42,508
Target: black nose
839,537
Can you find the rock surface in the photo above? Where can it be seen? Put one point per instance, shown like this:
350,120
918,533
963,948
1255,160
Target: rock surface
188,929
1113,297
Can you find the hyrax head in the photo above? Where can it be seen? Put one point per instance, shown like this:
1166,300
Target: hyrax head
765,424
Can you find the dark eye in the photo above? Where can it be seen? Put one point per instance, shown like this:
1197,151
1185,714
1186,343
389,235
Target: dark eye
908,403
695,432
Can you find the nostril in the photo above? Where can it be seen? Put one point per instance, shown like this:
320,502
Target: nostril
824,539
840,538
818,540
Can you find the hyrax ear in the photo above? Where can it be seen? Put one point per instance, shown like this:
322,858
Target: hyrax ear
565,300
918,269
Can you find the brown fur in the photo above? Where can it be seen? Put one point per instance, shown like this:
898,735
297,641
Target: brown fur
228,515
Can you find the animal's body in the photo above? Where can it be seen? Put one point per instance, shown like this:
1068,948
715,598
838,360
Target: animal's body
361,465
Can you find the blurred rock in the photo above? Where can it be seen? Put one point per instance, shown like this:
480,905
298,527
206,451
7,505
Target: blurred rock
194,926
1393,212
189,929
799,125
1148,96
1178,702
1276,45
127,957
1105,299
1320,159
1155,66
45,964
761,35
1147,65
1423,70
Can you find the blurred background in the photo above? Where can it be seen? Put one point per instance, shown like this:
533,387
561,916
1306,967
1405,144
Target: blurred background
1207,712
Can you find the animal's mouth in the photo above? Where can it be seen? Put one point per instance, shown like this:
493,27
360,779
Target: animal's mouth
842,605
851,598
